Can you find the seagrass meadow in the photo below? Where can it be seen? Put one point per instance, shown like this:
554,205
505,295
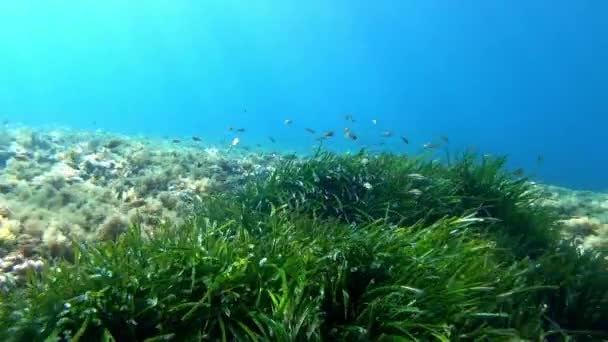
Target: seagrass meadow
358,247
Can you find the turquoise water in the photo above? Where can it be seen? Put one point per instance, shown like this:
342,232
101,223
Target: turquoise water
523,78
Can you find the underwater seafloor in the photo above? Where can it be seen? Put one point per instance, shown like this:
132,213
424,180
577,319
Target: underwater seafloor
59,185
92,185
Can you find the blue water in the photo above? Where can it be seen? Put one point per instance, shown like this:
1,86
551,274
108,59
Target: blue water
513,77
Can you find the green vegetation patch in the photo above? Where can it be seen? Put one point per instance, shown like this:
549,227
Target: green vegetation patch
360,247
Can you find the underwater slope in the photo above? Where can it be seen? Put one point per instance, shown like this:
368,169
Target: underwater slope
332,247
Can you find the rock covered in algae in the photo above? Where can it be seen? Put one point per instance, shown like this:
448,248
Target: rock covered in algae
585,215
92,185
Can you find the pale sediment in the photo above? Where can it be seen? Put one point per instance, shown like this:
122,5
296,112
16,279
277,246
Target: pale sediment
88,185
584,213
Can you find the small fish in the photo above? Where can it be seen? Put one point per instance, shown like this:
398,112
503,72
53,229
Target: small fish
416,176
405,140
21,157
540,159
346,129
288,122
176,141
374,122
444,139
113,143
235,141
415,192
240,130
387,133
519,172
272,140
430,145
230,128
326,135
195,138
352,136
137,203
367,185
310,130
349,117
